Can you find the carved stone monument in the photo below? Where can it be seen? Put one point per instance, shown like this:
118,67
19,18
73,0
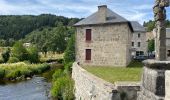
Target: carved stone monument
160,19
153,78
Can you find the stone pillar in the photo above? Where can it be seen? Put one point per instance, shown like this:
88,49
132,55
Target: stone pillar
160,17
153,80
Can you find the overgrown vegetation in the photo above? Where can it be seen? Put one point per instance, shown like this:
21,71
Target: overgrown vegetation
20,53
21,70
62,84
113,74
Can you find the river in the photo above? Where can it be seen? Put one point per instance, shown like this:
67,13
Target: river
36,88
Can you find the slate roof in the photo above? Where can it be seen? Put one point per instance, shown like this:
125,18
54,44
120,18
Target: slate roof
137,27
111,17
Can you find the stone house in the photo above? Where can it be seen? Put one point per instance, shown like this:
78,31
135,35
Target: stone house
168,43
139,42
103,39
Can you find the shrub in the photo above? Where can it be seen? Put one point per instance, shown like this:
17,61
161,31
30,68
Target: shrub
68,67
33,55
2,73
13,60
19,51
14,70
13,74
69,54
6,55
58,73
62,88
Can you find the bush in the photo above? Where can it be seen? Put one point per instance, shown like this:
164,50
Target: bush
13,60
19,51
13,74
69,54
14,70
68,67
58,73
6,55
2,73
33,55
62,88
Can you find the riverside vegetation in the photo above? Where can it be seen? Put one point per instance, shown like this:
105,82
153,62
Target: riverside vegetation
45,33
23,62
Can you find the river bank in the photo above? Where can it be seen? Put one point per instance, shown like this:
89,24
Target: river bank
36,88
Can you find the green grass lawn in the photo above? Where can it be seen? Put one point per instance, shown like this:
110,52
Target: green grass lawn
113,74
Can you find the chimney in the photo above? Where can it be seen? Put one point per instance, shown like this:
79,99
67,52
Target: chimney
102,10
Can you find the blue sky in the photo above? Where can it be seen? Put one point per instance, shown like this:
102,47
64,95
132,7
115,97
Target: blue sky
136,10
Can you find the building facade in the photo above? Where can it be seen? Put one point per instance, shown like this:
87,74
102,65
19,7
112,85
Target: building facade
168,43
103,39
139,42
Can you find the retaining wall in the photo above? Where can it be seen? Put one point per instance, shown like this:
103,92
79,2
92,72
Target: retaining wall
90,87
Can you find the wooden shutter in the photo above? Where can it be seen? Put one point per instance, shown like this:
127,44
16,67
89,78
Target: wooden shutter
88,34
88,54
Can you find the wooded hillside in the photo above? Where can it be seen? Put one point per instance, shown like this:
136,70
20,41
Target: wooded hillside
16,27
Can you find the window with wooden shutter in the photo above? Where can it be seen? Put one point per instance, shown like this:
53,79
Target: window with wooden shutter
88,34
88,54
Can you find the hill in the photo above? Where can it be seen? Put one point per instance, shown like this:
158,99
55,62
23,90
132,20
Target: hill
16,27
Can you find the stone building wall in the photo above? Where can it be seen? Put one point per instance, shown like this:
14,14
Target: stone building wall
142,40
167,85
110,45
90,87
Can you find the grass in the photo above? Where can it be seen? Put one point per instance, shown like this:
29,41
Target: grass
113,74
50,56
21,69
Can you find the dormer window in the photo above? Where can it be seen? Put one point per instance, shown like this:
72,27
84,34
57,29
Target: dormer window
88,34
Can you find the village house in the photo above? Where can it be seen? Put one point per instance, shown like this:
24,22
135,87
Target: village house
168,43
139,42
103,39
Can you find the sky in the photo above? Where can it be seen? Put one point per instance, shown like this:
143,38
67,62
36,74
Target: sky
133,10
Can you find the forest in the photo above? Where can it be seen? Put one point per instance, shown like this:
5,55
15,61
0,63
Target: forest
17,27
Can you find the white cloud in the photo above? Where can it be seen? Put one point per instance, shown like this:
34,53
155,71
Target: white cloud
76,8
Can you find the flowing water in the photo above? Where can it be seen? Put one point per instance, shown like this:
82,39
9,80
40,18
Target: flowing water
35,89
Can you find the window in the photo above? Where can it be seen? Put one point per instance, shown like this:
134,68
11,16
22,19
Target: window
138,53
88,34
132,44
168,54
88,54
139,35
138,44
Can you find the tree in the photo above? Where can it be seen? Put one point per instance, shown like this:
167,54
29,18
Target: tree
6,55
69,54
33,54
151,45
19,51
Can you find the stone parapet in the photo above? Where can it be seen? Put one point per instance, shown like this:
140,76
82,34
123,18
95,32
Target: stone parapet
90,87
155,80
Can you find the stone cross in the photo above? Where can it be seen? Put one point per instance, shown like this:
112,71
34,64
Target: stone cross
160,21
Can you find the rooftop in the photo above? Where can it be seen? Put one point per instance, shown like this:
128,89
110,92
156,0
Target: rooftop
137,27
102,16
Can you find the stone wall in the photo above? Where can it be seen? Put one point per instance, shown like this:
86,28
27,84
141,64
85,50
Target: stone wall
110,45
155,81
167,85
90,87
